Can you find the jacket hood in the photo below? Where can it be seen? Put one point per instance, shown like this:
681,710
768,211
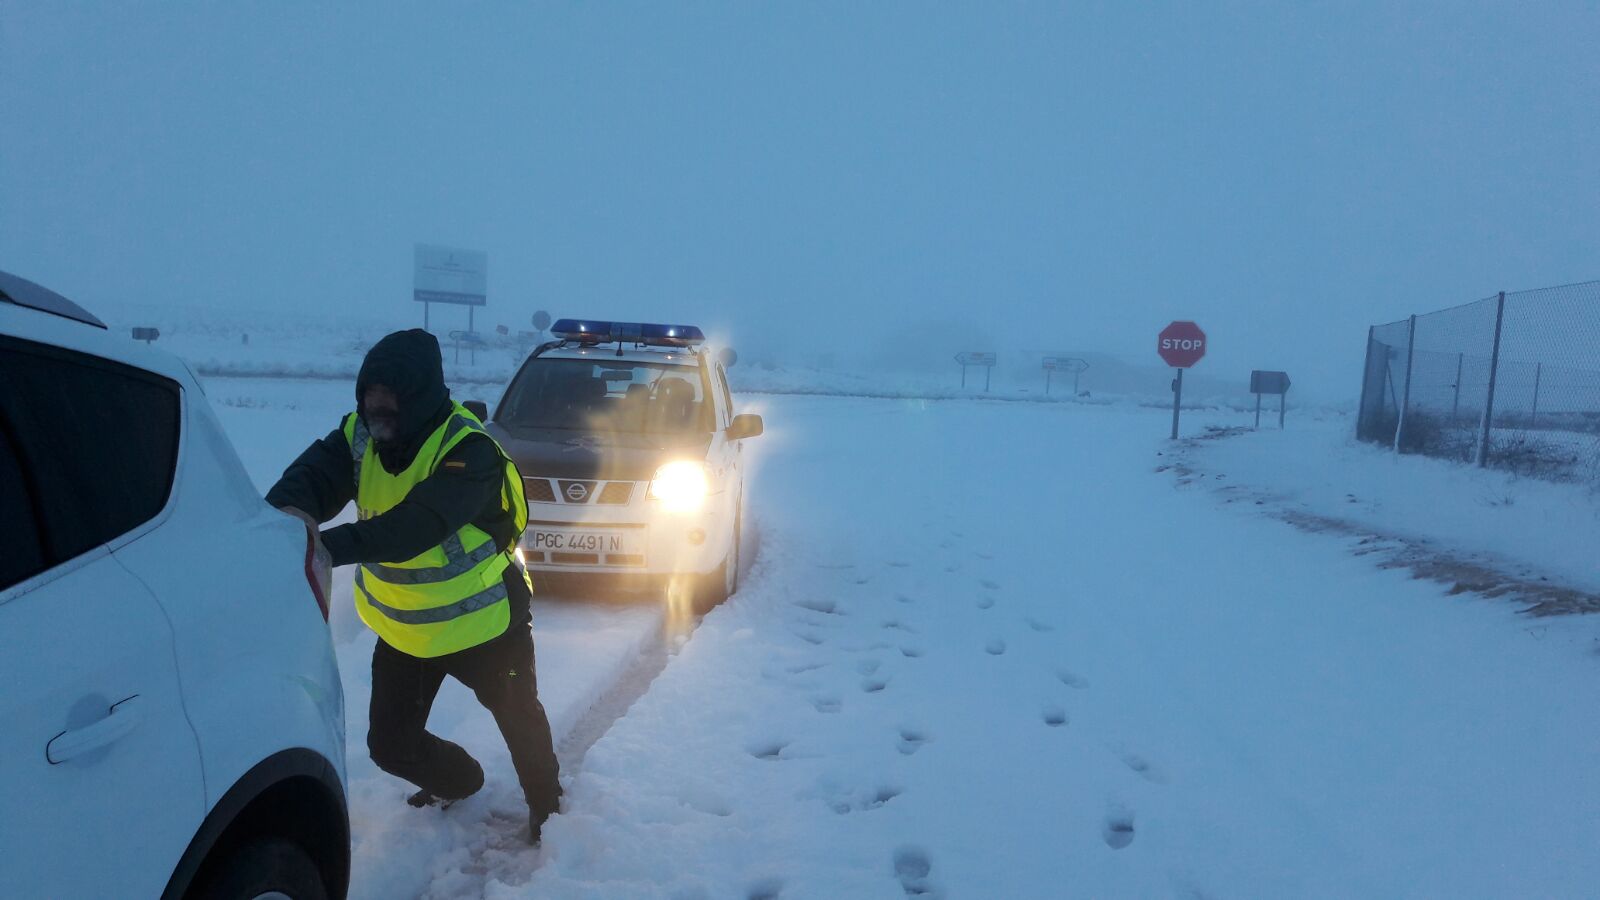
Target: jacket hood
409,364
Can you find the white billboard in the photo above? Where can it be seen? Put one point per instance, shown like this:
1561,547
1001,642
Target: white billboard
450,275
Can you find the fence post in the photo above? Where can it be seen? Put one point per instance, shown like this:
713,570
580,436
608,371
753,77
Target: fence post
1494,371
1405,404
1533,417
1455,404
1366,386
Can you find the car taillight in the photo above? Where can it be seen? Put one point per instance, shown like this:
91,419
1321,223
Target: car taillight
319,587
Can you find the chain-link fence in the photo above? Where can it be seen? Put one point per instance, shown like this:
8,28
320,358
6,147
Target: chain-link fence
1511,381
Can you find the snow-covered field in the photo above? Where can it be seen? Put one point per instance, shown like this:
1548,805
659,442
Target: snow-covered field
987,650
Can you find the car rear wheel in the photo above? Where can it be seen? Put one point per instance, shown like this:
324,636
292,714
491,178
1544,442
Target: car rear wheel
265,868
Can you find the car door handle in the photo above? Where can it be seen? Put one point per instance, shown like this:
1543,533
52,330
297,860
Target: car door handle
120,720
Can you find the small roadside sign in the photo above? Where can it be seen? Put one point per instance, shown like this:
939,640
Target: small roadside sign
1071,364
1263,382
541,321
472,339
148,335
982,358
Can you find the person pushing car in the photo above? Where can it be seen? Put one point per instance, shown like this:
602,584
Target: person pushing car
439,508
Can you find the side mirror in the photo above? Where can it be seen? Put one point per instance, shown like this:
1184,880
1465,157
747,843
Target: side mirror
727,357
477,408
746,426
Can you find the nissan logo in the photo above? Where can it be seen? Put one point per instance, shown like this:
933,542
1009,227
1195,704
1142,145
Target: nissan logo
577,493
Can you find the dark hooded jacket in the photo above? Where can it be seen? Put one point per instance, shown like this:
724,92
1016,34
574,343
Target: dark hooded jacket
464,487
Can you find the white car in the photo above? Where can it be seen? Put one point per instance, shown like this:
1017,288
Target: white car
631,455
173,720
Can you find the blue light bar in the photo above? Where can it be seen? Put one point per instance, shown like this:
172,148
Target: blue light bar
595,331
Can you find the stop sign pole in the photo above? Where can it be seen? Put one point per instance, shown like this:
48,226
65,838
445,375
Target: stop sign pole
1181,344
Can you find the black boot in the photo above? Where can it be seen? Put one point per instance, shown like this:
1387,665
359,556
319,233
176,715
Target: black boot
424,798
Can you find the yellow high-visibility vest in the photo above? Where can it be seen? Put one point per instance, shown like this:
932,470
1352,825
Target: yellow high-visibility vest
452,596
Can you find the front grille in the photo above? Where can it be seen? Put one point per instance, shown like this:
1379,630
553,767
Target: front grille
576,491
579,492
580,559
624,559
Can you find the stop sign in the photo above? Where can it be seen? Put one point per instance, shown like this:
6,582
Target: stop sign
1181,344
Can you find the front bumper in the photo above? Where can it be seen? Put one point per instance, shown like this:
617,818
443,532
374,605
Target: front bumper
657,542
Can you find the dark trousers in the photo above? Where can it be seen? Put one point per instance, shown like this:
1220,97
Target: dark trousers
500,672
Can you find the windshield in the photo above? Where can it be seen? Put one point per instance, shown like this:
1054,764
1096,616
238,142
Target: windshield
606,396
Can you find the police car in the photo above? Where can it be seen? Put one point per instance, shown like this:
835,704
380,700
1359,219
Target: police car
631,455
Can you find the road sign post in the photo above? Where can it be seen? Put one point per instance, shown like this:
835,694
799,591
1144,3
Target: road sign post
977,358
1181,344
1071,364
472,339
1270,383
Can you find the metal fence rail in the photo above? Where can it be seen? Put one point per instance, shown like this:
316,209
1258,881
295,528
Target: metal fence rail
1509,381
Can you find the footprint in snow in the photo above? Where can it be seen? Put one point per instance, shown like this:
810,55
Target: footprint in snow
827,703
952,568
800,668
991,585
1037,625
898,625
1054,716
869,666
981,555
912,868
911,651
874,684
911,740
1141,766
863,579
898,564
864,801
995,647
811,637
985,602
1118,829
768,749
1071,679
902,598
821,605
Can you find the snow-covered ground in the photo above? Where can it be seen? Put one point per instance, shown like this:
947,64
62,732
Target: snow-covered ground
988,650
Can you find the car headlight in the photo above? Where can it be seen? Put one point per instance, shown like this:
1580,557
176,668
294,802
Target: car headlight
681,486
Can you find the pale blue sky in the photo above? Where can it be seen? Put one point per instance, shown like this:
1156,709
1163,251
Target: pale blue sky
1074,174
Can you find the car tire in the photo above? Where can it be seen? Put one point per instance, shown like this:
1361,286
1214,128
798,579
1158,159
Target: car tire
260,868
722,583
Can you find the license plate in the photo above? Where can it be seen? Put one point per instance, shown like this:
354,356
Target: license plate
567,540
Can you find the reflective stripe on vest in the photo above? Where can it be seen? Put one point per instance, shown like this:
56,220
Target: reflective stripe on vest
460,561
487,597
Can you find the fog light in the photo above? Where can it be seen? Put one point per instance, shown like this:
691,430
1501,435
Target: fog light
697,536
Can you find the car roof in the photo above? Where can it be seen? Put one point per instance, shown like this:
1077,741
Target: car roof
28,323
22,292
604,353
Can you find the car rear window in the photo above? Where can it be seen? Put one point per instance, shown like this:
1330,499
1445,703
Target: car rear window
600,396
95,443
